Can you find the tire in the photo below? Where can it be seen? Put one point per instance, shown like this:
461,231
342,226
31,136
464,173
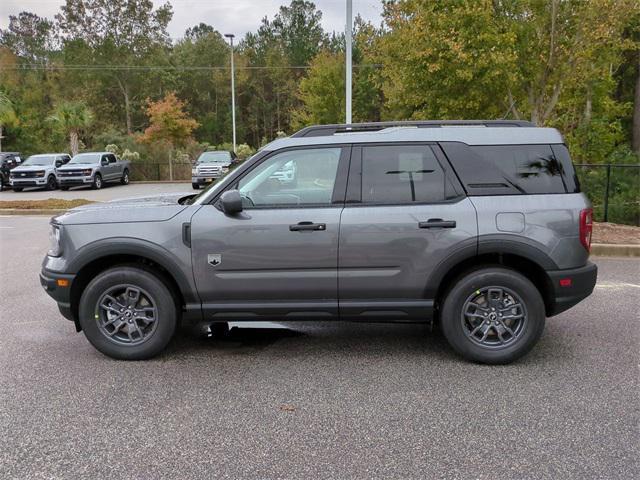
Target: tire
478,294
1,184
51,183
17,189
97,182
64,188
125,177
124,341
195,186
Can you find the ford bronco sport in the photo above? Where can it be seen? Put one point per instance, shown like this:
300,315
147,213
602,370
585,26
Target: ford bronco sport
477,225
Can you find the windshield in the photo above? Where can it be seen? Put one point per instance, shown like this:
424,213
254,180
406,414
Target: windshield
86,158
39,160
214,157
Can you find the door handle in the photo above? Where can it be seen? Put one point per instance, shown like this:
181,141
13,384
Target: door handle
307,226
437,223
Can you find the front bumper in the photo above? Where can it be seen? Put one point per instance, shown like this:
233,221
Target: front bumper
32,182
67,181
204,180
61,294
570,287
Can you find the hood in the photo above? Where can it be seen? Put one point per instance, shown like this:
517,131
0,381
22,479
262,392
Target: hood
78,166
30,168
157,208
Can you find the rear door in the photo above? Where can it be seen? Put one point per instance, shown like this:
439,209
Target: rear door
405,214
279,256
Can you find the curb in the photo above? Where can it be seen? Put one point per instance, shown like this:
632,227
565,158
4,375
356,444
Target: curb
32,211
159,181
612,250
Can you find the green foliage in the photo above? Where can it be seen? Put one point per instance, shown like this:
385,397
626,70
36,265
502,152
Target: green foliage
72,118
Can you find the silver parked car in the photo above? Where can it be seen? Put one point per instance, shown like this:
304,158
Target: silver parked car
479,226
38,171
210,166
93,169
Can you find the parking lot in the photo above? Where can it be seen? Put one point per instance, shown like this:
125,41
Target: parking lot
313,400
110,191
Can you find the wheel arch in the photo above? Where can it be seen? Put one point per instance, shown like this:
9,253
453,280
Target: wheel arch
108,253
523,258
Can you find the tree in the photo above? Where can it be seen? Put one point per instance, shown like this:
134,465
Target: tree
322,92
121,36
29,36
169,122
7,114
72,118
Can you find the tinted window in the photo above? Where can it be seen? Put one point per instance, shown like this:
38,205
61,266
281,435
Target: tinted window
402,174
296,177
112,158
528,168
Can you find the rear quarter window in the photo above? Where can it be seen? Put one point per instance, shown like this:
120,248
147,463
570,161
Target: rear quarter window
512,169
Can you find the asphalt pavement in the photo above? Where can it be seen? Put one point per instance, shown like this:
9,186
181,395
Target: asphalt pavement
110,191
315,400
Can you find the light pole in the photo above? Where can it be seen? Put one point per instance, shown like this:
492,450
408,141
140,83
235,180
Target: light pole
233,91
347,34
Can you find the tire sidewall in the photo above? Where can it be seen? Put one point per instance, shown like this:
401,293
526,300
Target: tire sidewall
51,186
125,177
97,181
465,286
167,313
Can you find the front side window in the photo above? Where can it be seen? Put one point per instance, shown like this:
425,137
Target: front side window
294,177
402,174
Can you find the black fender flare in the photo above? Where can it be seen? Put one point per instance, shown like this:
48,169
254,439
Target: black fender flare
140,248
487,245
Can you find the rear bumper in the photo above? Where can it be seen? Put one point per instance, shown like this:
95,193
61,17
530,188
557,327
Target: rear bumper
61,294
570,287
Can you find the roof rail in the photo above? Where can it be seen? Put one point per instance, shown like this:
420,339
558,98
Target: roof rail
328,130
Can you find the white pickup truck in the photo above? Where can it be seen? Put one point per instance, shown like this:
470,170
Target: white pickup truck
93,169
38,171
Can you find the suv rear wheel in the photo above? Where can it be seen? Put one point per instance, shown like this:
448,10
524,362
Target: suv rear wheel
493,315
128,313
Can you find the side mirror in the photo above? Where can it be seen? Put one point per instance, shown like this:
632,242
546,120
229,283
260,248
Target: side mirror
58,163
231,202
104,162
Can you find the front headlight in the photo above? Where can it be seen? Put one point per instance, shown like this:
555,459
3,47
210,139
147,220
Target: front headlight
194,171
87,172
55,249
39,174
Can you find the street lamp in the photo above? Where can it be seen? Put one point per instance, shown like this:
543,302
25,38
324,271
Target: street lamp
233,91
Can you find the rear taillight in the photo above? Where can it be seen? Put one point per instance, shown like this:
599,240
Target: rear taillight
586,227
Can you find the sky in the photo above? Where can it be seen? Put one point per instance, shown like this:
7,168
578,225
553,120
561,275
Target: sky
226,16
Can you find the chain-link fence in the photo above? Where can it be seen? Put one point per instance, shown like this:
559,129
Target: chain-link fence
614,190
160,171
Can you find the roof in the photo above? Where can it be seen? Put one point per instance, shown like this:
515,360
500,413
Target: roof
469,134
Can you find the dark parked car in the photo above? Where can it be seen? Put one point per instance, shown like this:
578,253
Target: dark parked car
8,161
479,226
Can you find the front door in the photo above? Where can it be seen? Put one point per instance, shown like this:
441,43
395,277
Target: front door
279,256
405,214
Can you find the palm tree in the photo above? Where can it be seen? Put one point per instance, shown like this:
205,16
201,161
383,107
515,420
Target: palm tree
72,118
7,114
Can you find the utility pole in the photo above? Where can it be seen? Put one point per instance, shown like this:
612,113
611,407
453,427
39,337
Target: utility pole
347,35
233,91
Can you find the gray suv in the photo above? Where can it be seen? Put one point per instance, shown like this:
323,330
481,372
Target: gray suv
479,226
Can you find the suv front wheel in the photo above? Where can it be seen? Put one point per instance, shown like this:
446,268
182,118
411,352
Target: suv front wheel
128,313
493,315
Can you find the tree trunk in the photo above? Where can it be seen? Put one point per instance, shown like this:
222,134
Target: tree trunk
0,138
74,142
635,131
127,104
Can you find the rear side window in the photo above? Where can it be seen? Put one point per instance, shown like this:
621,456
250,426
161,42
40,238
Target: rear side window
511,169
402,174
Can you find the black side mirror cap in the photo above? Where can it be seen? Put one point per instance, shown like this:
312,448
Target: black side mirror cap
231,202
